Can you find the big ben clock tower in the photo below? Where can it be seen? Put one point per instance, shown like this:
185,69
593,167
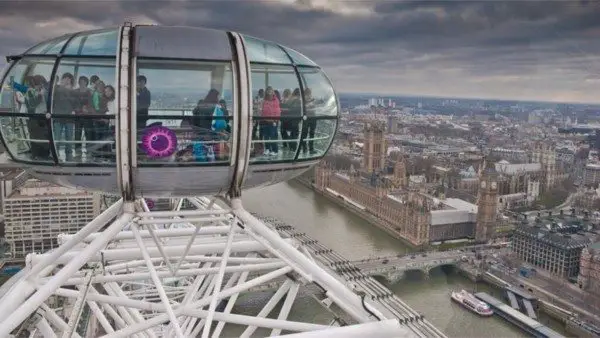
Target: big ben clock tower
487,204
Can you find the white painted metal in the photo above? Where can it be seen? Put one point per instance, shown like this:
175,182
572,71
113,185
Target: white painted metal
123,99
390,328
287,306
244,117
353,302
217,287
142,279
20,291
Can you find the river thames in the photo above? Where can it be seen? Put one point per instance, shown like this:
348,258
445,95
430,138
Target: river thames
355,238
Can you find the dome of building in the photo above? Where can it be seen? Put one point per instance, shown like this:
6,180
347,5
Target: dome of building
162,111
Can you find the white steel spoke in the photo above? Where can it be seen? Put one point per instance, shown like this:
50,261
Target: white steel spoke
55,319
22,290
45,328
151,230
230,304
287,306
78,307
167,279
156,280
269,306
35,300
230,282
99,315
130,314
217,288
187,247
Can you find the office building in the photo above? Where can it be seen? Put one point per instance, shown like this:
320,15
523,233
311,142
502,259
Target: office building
36,212
555,250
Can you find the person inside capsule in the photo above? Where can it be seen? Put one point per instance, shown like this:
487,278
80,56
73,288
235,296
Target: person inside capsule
84,128
279,131
65,103
35,90
144,99
271,111
204,136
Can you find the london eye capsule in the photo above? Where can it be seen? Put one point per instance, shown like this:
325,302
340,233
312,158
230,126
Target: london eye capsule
165,111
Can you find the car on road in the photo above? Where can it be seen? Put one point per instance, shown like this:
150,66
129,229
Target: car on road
385,261
413,256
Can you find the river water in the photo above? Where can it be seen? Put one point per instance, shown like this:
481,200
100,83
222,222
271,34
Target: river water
355,238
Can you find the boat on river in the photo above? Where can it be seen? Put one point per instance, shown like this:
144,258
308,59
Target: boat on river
473,304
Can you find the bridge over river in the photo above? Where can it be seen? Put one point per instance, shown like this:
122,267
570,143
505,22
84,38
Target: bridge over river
380,296
394,267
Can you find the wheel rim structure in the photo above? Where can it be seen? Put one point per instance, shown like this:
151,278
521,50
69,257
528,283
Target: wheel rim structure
164,273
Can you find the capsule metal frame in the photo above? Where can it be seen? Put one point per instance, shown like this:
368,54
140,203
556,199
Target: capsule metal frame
126,177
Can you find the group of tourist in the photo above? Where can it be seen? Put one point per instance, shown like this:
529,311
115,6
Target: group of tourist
91,96
276,115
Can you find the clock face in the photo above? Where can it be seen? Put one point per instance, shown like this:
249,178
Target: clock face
483,184
494,185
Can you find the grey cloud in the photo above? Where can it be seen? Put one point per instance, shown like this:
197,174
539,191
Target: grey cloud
546,49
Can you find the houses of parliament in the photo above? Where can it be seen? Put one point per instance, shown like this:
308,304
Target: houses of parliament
405,209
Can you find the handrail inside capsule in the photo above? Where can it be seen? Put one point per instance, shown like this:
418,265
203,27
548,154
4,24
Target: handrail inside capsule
172,124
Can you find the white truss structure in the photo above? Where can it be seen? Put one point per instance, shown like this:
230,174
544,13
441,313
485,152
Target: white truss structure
132,272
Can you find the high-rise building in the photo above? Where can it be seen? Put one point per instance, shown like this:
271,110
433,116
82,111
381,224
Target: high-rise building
10,180
591,174
555,252
544,152
589,269
37,212
400,179
375,146
487,203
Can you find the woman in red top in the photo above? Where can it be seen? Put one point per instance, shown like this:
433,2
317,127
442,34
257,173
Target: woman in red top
271,112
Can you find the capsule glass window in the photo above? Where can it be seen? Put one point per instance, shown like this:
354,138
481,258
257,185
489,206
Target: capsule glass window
184,112
24,96
318,93
276,113
53,46
316,137
102,43
298,58
83,111
262,51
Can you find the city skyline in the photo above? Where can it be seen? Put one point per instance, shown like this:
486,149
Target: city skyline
481,50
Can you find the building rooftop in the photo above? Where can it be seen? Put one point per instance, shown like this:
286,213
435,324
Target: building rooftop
504,167
7,174
35,189
595,246
458,204
561,240
595,166
453,211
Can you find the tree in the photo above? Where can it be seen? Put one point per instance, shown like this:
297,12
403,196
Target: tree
341,162
554,197
421,166
396,156
582,153
453,178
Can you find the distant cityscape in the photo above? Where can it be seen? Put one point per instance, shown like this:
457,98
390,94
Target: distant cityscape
435,173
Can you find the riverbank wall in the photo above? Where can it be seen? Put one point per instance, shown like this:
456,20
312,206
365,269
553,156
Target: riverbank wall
368,217
553,307
548,304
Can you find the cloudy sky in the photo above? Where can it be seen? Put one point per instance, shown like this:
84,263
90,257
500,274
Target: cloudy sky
490,49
